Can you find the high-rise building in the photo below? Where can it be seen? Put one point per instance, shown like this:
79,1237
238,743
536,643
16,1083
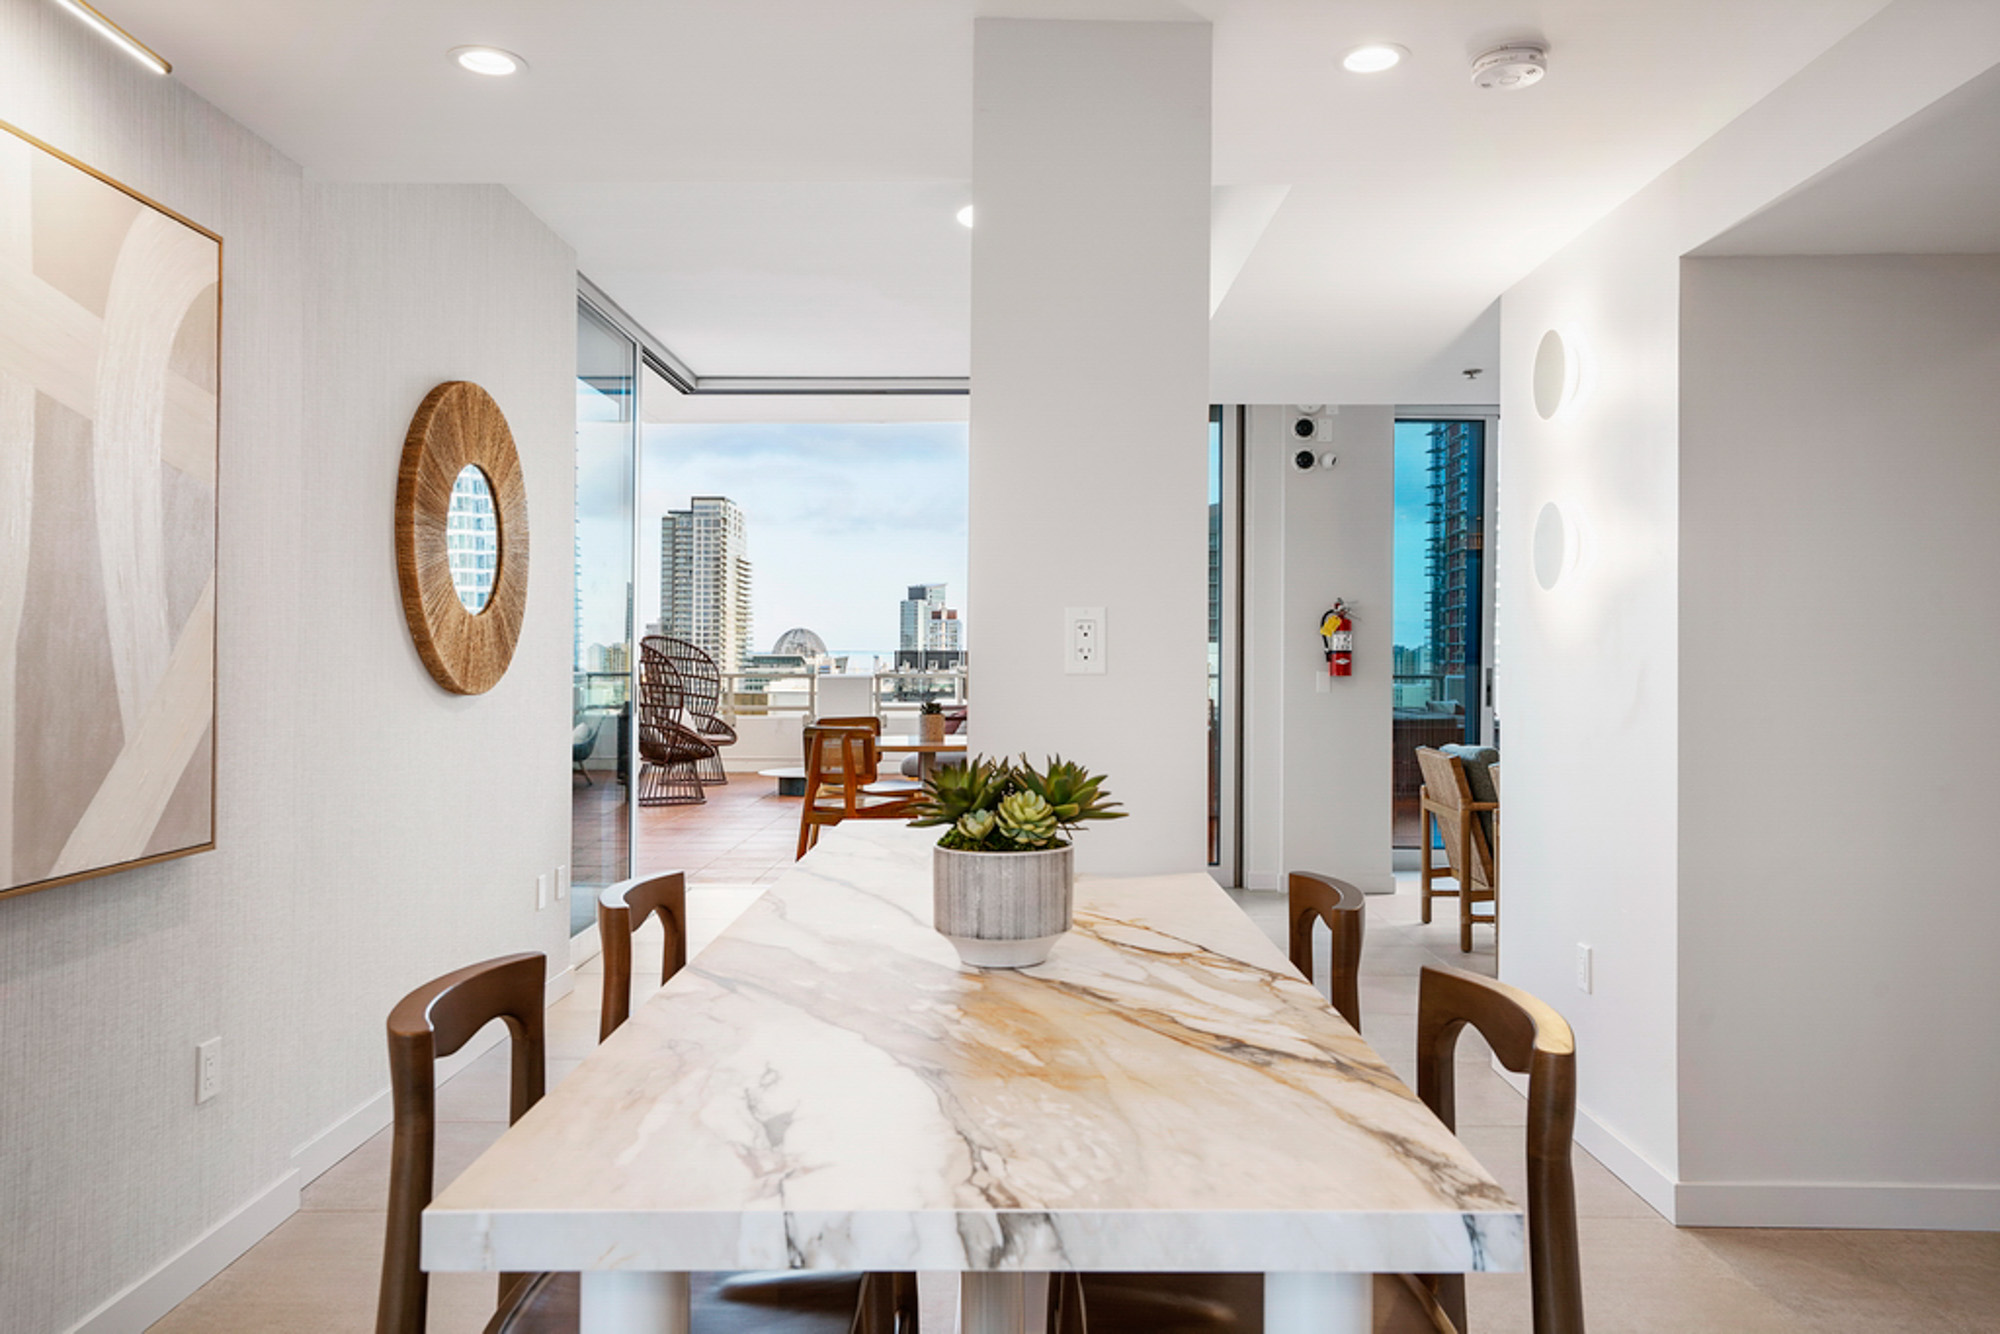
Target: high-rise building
705,578
932,635
472,539
917,614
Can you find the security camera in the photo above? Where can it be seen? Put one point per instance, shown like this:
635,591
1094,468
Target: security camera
1304,427
1305,460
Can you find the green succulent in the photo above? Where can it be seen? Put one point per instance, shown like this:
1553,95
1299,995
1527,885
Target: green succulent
1025,819
975,825
955,791
932,706
1072,792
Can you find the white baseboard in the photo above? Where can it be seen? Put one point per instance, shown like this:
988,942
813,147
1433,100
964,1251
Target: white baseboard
171,1283
1839,1204
1788,1204
180,1276
1646,1178
1261,880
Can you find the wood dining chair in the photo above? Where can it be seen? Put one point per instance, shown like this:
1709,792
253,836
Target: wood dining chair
436,1020
1470,835
841,762
1529,1038
1313,897
621,910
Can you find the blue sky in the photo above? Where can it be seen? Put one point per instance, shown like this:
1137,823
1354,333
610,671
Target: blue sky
841,518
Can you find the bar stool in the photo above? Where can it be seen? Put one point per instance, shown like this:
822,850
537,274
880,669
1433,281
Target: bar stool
621,910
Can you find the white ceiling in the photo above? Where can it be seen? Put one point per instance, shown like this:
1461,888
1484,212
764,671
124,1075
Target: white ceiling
1929,186
769,184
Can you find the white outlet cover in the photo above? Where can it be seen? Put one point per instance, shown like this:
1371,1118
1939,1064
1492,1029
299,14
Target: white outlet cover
1083,641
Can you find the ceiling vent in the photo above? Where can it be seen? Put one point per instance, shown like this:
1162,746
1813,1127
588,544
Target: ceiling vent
1510,67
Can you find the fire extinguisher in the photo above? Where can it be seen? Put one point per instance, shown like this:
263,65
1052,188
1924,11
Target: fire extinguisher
1336,628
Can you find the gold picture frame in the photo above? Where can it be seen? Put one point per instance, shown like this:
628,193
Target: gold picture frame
110,387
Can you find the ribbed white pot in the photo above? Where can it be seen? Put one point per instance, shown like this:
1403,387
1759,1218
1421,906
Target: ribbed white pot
1001,909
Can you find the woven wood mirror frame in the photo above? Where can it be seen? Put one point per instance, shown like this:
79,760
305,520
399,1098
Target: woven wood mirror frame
460,424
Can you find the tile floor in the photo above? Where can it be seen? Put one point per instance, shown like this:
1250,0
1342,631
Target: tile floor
319,1270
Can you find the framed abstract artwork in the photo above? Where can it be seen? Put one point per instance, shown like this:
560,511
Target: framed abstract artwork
110,315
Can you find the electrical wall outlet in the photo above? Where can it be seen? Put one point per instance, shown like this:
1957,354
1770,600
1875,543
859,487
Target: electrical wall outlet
562,882
1584,972
541,891
1083,641
207,1070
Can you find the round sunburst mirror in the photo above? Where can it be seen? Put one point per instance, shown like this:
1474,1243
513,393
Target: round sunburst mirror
462,537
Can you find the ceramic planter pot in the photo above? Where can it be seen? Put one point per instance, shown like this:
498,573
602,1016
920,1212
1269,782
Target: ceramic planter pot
930,727
1001,909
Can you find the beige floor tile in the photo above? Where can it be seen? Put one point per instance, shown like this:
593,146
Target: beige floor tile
319,1273
1503,1150
1869,1282
1640,1276
481,1090
360,1181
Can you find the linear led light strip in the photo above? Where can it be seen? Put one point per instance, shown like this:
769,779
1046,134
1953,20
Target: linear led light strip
118,37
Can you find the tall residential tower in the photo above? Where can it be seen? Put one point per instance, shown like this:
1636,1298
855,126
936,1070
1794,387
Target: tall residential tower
705,578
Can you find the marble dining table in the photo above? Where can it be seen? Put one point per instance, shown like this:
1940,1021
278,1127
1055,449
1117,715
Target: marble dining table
827,1087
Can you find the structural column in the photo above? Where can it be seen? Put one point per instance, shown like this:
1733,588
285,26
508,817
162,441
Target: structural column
1089,414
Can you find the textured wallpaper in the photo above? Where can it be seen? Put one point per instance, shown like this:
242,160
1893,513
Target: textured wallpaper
371,830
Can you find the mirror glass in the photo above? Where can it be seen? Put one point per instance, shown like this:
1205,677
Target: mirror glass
1551,546
1552,375
473,538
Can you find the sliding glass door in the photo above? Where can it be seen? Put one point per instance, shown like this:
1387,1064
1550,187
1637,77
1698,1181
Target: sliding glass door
601,657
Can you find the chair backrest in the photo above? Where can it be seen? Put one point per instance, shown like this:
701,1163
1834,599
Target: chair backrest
844,696
701,682
1448,796
1339,905
839,757
621,910
1529,1038
436,1020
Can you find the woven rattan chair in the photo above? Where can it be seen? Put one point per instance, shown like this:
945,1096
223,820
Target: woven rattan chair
1339,905
669,751
1471,844
701,696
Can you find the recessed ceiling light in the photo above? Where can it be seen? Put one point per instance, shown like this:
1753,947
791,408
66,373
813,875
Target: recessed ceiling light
1373,58
488,60
965,216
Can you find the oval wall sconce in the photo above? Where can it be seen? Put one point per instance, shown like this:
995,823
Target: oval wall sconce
462,537
1558,373
1555,546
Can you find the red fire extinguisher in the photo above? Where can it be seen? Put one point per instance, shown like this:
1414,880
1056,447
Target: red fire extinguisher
1336,628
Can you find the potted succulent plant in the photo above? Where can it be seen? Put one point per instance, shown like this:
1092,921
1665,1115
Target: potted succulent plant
1001,874
930,722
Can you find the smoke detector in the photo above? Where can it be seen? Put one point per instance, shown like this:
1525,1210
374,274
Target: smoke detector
1510,67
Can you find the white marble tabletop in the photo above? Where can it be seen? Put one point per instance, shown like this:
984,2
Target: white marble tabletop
827,1087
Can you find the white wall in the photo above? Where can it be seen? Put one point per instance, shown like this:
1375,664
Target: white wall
1592,703
1089,420
1317,762
1839,494
350,862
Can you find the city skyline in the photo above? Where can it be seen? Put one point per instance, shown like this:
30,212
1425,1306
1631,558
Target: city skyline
841,518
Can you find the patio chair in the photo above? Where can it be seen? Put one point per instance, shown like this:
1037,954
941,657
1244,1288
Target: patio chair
841,763
701,698
1464,819
669,751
